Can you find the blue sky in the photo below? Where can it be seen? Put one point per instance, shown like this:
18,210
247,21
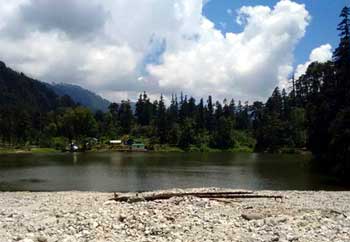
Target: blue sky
322,28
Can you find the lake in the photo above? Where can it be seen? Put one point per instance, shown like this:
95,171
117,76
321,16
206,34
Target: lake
150,171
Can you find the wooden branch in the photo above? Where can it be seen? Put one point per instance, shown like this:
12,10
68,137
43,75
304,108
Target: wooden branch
209,195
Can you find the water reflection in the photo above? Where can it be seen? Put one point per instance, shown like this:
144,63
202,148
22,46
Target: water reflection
150,171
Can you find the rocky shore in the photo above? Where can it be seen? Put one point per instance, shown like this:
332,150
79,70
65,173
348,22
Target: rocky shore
84,216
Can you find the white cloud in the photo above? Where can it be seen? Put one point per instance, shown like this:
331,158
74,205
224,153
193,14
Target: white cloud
321,54
106,53
104,65
246,65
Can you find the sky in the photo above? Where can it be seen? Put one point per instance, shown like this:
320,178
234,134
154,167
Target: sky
239,49
322,27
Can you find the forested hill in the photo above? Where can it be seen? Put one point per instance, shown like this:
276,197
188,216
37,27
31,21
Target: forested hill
19,91
81,96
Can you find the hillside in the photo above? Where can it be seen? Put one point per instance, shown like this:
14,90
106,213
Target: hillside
81,96
18,90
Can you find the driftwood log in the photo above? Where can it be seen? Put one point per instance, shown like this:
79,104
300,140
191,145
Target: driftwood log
210,195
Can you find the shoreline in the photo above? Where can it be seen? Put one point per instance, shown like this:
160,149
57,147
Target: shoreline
22,151
171,150
305,216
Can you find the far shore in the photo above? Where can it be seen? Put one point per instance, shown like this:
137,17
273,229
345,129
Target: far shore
166,149
161,150
303,216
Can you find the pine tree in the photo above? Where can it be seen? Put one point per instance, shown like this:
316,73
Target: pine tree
114,111
139,110
191,108
233,109
173,109
200,115
226,109
338,155
325,89
126,117
183,112
242,116
210,120
257,115
275,103
286,106
161,121
144,110
218,110
342,53
342,59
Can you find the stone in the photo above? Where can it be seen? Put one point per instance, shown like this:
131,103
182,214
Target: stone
26,240
121,218
275,238
292,238
282,219
41,239
111,202
252,216
18,238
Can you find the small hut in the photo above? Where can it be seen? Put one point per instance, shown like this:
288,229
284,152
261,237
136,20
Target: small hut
138,146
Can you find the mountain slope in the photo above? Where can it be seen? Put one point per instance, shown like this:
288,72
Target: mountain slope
18,90
82,96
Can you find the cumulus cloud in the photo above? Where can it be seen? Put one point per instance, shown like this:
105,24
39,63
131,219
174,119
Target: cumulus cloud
247,64
169,43
321,54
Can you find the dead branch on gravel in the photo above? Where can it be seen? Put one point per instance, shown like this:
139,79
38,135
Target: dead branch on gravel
210,195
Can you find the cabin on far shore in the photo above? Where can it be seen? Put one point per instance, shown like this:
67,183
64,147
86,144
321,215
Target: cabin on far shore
128,145
138,146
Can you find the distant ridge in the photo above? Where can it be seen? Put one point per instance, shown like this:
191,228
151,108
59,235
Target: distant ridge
82,96
20,91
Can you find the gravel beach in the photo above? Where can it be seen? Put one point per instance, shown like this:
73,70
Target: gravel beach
85,216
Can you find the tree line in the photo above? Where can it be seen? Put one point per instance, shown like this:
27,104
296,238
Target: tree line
316,113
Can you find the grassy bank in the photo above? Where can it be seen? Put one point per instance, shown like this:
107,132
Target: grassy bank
158,148
27,150
204,149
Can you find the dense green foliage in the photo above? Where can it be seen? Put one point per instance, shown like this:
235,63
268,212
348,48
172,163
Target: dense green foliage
24,106
330,106
184,123
31,113
316,113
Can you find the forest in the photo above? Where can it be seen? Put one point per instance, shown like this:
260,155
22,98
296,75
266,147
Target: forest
314,115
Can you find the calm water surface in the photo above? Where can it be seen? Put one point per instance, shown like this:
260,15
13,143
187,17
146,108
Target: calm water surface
150,171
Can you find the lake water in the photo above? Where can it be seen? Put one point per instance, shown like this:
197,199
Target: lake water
151,171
